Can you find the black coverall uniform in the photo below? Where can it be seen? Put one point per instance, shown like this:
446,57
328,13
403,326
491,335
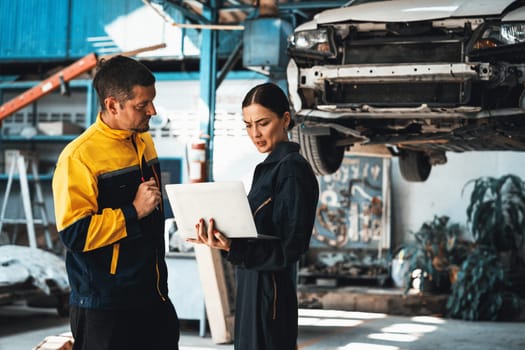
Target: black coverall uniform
283,199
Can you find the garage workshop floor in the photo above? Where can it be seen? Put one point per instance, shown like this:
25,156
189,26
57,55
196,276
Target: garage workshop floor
22,328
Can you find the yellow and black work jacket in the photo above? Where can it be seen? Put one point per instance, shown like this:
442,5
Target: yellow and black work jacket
113,259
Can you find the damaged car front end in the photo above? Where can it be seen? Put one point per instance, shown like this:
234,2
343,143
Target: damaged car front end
409,79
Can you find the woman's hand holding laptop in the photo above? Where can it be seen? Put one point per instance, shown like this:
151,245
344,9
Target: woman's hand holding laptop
210,236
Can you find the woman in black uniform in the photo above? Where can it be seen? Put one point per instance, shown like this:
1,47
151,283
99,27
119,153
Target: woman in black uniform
283,200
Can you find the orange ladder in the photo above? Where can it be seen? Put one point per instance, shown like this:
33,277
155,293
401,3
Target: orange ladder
46,86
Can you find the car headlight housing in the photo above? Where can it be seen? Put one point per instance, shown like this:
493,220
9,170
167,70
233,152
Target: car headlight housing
317,42
501,35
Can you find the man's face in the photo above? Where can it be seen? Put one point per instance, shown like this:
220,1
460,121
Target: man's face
134,114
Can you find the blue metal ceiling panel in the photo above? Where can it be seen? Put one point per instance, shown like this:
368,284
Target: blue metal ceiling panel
54,30
32,29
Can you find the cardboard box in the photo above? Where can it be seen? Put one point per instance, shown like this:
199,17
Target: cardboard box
59,128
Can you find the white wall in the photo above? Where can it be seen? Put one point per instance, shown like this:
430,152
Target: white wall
235,156
413,203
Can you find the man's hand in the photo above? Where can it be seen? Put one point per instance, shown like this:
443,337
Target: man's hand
147,198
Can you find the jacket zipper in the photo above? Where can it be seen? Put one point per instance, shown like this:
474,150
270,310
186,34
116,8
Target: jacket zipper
157,180
158,276
274,316
262,205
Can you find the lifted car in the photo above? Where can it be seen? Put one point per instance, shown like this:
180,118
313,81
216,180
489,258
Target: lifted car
413,79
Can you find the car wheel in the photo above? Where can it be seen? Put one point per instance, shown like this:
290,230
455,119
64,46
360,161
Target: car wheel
414,165
320,151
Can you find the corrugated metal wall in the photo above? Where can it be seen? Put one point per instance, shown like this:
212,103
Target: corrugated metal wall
51,29
30,28
46,30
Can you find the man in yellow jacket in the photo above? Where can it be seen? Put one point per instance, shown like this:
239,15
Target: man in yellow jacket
109,215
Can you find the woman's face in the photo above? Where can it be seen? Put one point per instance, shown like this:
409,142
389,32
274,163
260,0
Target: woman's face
264,127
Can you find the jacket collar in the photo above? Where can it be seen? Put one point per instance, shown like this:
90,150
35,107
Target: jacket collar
113,133
280,151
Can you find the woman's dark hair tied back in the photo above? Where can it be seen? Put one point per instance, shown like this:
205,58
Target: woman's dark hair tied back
270,96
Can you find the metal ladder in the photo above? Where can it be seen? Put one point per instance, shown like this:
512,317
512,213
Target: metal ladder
21,161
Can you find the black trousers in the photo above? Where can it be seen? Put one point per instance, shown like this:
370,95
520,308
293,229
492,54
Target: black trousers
135,329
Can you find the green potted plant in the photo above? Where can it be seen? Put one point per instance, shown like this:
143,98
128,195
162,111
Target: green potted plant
496,214
433,255
482,288
496,219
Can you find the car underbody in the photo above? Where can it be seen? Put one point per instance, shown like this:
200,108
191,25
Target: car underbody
415,89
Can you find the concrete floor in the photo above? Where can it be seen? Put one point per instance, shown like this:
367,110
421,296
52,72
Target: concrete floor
22,328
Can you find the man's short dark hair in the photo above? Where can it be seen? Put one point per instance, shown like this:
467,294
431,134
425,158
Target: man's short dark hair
117,76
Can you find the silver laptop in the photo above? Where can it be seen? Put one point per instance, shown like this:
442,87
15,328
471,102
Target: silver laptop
225,202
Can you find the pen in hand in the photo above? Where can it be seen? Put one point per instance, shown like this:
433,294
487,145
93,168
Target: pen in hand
151,179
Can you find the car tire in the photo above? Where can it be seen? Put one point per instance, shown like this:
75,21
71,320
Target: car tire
320,151
414,165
